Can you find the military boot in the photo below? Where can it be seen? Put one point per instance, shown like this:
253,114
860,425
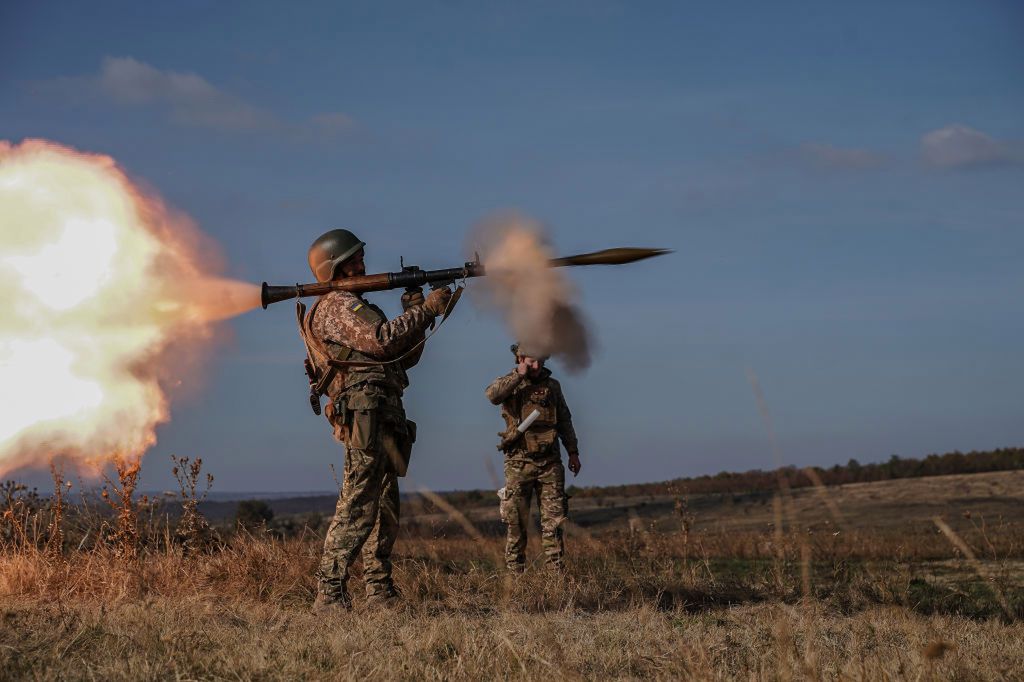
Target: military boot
331,602
386,595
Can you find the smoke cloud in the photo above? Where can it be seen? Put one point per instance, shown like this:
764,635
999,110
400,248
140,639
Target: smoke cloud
537,302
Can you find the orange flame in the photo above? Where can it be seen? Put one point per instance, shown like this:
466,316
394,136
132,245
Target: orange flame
98,279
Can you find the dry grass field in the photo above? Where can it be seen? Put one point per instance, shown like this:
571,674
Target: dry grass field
852,583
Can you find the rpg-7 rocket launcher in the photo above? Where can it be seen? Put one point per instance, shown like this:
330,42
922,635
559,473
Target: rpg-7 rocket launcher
412,276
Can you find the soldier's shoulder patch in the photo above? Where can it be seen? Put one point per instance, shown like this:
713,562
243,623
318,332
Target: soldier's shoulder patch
364,311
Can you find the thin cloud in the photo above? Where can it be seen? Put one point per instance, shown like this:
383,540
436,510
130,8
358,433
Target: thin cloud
333,123
960,146
187,99
823,155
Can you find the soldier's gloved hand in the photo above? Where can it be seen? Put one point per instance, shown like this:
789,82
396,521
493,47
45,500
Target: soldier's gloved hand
574,463
413,296
437,301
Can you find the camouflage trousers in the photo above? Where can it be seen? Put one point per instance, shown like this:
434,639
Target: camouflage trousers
525,478
366,517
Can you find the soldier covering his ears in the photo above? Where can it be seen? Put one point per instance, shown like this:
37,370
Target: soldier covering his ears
365,409
536,417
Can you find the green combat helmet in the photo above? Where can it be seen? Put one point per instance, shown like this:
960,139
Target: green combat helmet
330,250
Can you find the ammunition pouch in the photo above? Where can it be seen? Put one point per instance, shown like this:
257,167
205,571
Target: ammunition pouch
540,440
535,442
337,415
377,422
397,437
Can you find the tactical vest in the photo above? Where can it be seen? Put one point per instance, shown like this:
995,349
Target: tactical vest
361,385
541,437
343,384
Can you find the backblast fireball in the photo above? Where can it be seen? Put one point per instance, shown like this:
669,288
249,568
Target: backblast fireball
105,292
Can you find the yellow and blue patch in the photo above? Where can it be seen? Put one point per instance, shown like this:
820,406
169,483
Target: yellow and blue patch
366,312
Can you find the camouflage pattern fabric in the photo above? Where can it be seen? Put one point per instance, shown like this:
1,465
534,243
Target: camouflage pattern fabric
525,479
533,465
518,397
343,320
367,513
368,416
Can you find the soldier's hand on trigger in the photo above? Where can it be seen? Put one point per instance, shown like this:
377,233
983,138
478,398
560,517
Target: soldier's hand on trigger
437,301
574,463
413,296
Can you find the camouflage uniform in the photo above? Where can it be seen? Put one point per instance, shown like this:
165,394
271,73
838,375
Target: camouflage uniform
533,462
365,408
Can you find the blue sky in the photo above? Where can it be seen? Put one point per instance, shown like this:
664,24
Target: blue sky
841,182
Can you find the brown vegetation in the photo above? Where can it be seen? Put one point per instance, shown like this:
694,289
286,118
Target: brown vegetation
668,596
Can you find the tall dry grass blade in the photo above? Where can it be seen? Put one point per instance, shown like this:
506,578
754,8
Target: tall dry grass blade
515,654
769,425
492,473
805,569
582,533
780,500
778,522
822,490
823,493
978,567
55,534
447,508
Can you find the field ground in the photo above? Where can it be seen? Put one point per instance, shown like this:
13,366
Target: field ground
854,583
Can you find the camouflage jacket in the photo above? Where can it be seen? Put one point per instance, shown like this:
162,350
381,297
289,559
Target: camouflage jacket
351,329
518,397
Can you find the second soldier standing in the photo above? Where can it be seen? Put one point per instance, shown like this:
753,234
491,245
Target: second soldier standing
533,460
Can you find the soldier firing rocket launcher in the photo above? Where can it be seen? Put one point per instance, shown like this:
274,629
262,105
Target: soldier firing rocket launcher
412,276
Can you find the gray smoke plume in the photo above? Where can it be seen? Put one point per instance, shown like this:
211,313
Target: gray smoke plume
536,301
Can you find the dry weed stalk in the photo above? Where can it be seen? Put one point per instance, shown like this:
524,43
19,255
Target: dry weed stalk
20,511
681,508
126,534
55,534
193,530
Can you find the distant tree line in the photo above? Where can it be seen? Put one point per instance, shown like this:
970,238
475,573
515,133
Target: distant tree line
758,480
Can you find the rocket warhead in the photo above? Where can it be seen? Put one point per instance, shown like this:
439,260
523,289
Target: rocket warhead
618,256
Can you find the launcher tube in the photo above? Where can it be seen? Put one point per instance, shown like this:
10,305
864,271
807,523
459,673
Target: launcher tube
416,278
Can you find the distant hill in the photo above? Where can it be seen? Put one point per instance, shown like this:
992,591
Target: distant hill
282,506
761,481
756,481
